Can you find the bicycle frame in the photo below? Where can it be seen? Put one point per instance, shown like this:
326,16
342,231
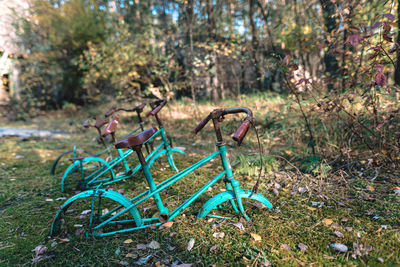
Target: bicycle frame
94,179
126,207
97,154
232,194
107,149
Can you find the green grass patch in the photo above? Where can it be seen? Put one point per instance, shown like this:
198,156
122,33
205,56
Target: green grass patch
336,203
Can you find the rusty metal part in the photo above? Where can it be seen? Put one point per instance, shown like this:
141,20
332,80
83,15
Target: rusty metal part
156,106
138,109
255,187
217,115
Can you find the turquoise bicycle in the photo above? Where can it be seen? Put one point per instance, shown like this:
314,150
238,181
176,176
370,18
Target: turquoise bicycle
95,171
99,123
100,212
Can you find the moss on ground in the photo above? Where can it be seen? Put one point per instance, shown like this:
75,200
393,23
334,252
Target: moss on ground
317,209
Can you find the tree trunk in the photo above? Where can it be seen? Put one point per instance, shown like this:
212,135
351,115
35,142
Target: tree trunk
331,63
254,44
397,71
189,54
212,68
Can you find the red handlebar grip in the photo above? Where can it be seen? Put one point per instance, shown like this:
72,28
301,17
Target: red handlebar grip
111,127
157,109
241,132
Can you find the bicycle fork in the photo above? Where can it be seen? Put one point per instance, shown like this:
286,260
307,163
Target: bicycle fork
168,149
231,183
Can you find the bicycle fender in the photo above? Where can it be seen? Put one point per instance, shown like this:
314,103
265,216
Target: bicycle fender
177,150
115,196
213,202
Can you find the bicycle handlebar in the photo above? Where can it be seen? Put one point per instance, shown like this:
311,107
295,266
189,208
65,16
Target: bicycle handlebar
98,124
218,113
138,109
156,105
203,123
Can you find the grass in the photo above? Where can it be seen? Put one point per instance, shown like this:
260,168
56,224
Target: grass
365,213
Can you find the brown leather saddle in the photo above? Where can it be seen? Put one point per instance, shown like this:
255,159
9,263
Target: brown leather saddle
136,140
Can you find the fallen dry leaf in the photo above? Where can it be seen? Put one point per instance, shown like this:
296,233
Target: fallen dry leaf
396,190
213,247
166,225
276,192
256,237
370,188
335,225
311,208
259,205
172,234
190,244
85,212
40,250
327,222
218,235
302,247
302,190
141,246
64,240
285,246
153,245
338,234
238,225
131,255
128,241
143,260
339,247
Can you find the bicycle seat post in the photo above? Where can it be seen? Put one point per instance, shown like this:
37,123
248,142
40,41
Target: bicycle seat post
163,211
141,122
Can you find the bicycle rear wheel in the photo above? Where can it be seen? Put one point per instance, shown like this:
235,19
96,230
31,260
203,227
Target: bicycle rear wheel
86,173
80,215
